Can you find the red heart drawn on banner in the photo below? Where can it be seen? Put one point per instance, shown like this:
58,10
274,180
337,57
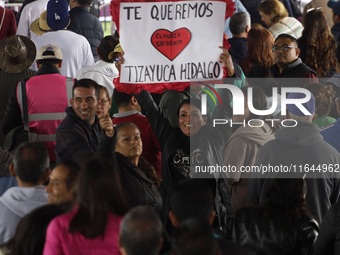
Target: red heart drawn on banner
171,44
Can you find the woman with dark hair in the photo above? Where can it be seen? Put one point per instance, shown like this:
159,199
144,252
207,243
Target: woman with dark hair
317,44
243,145
105,69
260,43
30,233
324,96
139,179
196,143
93,224
281,225
274,14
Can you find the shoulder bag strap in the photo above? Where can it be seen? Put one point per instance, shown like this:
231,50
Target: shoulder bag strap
3,17
24,104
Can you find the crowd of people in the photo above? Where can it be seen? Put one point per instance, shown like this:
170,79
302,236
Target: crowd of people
88,169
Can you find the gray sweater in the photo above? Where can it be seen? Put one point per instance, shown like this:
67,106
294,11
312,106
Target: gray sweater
15,203
294,146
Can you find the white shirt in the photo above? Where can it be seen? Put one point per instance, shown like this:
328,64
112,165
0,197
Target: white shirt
101,72
30,13
75,48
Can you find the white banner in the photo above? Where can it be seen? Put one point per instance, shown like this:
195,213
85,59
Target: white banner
171,41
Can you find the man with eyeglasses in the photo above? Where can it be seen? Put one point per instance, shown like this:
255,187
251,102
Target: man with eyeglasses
289,65
47,95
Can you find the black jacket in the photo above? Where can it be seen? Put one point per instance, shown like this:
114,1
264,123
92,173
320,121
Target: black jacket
138,188
328,241
179,152
88,25
238,49
273,236
295,70
76,139
336,31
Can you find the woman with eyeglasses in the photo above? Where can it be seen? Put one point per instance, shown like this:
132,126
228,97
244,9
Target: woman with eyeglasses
317,44
105,101
274,14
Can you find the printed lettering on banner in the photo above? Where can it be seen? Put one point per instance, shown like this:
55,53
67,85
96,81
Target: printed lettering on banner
171,41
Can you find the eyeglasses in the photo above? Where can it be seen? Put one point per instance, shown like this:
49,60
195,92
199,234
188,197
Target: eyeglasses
284,47
104,102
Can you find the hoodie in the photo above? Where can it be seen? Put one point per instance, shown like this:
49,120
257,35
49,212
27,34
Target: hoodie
331,134
336,31
335,80
15,203
299,149
241,150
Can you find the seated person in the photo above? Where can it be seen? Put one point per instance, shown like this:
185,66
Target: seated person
194,237
60,188
282,223
141,232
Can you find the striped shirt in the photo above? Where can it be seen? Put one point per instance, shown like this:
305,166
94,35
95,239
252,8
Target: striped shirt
289,26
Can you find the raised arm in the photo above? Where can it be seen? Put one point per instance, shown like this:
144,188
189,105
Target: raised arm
224,112
106,148
159,123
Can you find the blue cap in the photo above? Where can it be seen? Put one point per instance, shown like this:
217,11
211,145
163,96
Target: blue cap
57,14
310,105
335,5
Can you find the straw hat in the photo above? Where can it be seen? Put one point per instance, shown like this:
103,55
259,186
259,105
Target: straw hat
118,48
17,53
39,26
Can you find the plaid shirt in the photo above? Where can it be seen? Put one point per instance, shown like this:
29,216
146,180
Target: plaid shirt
76,139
